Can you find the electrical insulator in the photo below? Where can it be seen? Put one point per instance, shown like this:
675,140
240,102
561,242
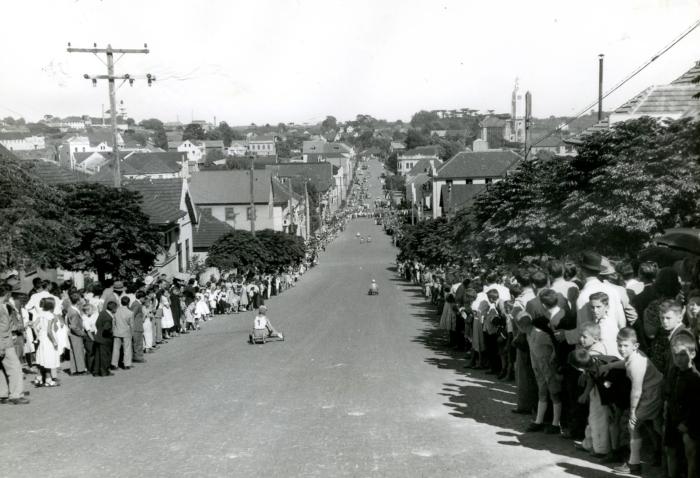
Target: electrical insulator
94,82
131,82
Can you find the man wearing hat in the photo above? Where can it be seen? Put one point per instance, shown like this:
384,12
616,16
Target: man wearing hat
591,266
11,381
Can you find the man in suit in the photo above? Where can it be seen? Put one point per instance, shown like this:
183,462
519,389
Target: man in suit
11,383
76,335
175,309
122,332
103,341
137,332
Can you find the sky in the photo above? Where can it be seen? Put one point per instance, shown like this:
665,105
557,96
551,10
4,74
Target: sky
266,61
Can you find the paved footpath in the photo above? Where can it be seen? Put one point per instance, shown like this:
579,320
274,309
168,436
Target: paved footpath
362,386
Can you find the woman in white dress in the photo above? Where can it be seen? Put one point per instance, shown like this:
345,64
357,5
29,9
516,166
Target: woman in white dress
147,325
167,321
48,354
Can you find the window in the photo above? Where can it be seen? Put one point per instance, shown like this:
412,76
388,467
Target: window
187,253
205,210
230,214
179,257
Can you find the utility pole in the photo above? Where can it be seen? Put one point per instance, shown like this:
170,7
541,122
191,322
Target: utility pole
111,77
600,87
252,194
528,115
306,211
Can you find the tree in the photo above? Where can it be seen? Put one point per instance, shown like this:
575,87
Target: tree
415,138
392,163
423,119
330,123
160,139
130,122
281,249
227,133
115,238
214,155
35,229
236,250
194,132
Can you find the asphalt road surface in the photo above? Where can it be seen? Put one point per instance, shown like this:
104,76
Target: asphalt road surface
362,386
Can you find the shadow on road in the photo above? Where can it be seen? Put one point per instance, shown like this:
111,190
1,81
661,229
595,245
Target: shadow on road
482,398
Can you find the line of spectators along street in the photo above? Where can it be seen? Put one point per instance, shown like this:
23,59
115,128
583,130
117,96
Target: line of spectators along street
104,328
612,350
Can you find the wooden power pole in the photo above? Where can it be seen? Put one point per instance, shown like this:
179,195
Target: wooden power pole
252,194
111,77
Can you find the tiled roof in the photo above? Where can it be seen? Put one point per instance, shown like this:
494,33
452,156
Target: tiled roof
282,193
9,136
670,99
325,148
688,76
320,174
156,163
213,143
462,195
161,198
262,138
100,135
208,230
481,164
420,151
553,141
52,173
229,186
425,164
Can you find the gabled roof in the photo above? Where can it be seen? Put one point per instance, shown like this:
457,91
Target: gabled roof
424,164
161,198
319,174
52,173
282,193
462,195
208,230
553,141
323,147
229,186
480,164
156,163
428,151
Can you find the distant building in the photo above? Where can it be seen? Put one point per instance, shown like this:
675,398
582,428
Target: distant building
262,145
469,167
406,160
22,141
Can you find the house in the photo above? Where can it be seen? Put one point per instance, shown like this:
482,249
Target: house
262,145
406,160
472,167
673,101
195,153
426,165
237,148
96,140
455,197
324,178
166,202
419,193
397,147
137,165
212,144
225,194
22,141
493,131
169,206
554,144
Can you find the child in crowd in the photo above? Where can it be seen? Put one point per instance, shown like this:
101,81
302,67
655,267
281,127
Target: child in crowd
671,313
493,324
646,401
191,317
692,317
682,429
603,390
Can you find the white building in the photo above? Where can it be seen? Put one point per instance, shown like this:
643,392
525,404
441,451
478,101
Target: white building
22,141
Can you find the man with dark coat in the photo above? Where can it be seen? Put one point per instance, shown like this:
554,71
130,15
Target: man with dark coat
103,341
175,309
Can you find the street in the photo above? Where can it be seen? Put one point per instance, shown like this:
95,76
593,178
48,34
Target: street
361,386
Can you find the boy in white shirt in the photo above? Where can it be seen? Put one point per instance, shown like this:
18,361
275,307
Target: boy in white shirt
262,325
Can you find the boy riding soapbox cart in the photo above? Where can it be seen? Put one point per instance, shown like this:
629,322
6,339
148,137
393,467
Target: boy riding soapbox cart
373,288
263,329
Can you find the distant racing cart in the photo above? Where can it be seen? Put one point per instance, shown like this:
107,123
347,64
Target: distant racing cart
373,288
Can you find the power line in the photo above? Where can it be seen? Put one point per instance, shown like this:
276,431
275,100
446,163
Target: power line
111,77
625,80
